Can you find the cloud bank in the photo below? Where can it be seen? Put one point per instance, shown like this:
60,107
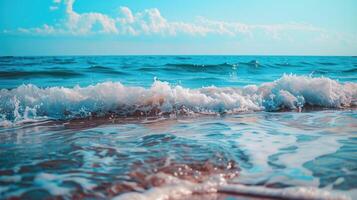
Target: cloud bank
151,22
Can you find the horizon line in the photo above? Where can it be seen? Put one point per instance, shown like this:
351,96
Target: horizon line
112,55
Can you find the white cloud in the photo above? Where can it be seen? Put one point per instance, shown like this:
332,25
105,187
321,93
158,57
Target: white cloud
83,23
76,23
128,15
44,30
151,22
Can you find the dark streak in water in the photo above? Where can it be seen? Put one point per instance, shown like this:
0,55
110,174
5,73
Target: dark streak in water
201,68
97,67
198,65
306,63
350,70
327,63
62,61
148,69
105,70
182,58
44,74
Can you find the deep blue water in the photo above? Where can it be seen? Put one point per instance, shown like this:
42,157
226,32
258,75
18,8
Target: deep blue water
188,71
123,126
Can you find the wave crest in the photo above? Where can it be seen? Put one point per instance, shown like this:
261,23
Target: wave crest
113,98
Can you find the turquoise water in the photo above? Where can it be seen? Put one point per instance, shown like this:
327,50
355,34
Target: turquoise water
188,71
178,127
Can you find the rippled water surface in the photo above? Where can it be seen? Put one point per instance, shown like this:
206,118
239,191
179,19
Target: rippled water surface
178,127
188,71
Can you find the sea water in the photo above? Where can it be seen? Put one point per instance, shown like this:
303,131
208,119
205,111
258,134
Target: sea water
178,127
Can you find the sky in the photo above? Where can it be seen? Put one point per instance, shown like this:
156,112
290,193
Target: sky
166,27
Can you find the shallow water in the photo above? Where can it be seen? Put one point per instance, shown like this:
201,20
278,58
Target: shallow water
76,132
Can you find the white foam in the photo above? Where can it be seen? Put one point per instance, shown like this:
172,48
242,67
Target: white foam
290,92
175,188
294,193
53,182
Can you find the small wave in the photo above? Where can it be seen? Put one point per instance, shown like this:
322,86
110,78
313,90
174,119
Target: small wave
105,70
182,58
111,98
185,65
254,63
211,68
29,57
98,67
36,74
306,63
62,61
354,70
6,57
327,63
148,69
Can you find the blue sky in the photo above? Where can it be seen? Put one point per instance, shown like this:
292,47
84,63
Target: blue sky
121,27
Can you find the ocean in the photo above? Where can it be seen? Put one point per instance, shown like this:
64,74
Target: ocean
178,127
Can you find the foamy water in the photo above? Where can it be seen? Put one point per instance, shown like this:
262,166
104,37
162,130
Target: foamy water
178,127
290,92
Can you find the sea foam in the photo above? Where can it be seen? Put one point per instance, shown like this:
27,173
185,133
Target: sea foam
175,188
29,102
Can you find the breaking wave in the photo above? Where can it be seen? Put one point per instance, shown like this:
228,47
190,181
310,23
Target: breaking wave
290,92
